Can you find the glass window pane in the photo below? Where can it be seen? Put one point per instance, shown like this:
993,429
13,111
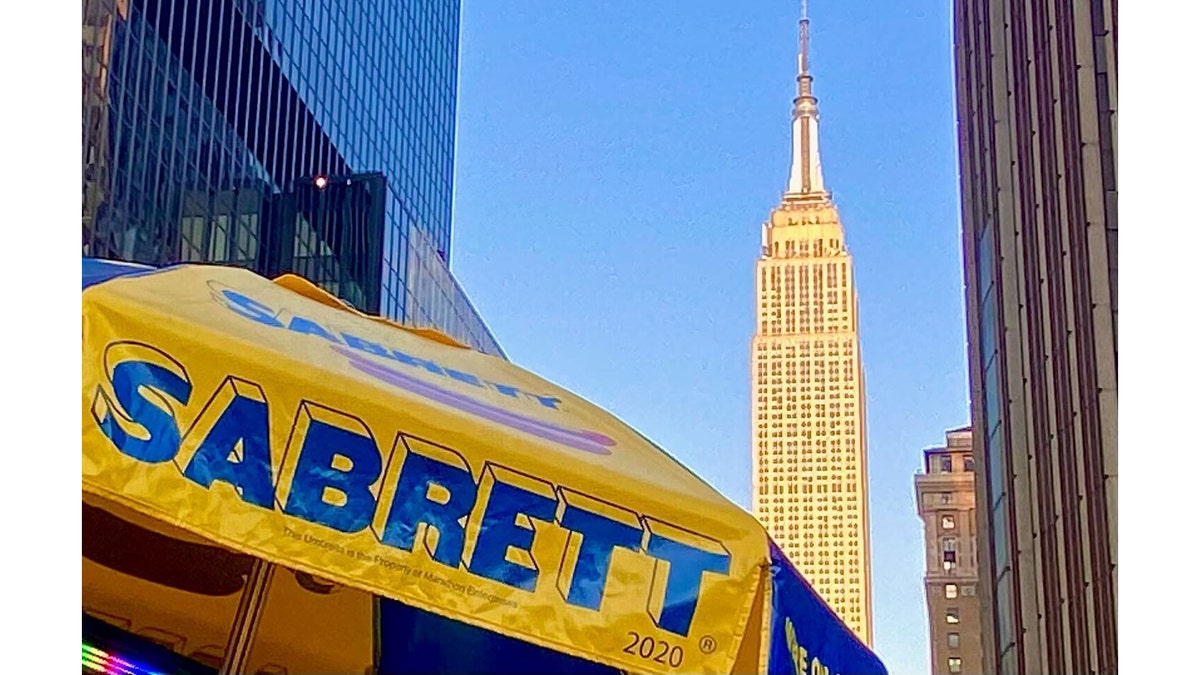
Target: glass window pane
989,325
985,255
997,469
1000,534
994,403
1005,621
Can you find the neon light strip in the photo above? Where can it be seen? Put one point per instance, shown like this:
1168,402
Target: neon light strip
100,661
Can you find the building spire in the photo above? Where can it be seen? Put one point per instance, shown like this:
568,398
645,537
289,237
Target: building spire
805,179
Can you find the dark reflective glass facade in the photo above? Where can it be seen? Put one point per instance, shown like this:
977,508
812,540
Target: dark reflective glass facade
205,122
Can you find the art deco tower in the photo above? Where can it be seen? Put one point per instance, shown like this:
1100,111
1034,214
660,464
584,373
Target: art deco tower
809,432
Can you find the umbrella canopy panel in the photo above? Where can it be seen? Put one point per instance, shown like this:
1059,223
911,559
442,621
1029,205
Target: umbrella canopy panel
287,427
807,638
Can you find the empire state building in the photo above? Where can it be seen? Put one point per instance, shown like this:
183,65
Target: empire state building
808,421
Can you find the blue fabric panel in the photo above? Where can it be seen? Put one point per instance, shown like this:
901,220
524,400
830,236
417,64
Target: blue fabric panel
413,641
819,643
96,270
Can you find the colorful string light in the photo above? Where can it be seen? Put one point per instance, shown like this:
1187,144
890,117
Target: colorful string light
100,661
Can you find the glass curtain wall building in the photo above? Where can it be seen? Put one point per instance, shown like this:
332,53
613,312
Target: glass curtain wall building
307,136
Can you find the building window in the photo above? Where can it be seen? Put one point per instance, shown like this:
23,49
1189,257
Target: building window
947,464
947,522
952,615
969,464
951,591
949,553
955,664
952,638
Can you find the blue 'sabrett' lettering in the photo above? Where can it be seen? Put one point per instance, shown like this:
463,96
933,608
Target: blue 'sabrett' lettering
258,312
355,342
323,443
132,381
598,536
250,308
506,390
244,420
418,362
299,324
687,566
412,506
499,531
464,377
339,470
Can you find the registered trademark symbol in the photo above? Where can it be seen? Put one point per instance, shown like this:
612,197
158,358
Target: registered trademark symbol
708,644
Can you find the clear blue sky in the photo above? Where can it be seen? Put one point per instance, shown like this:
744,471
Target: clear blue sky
615,162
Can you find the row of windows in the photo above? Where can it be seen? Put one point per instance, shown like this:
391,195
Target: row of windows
809,396
832,470
945,463
849,505
807,246
809,370
774,443
807,390
810,350
789,417
835,431
822,432
806,307
821,521
814,381
812,300
773,328
804,345
797,482
805,365
808,452
832,274
832,395
773,431
809,307
804,313
952,591
805,488
798,507
832,461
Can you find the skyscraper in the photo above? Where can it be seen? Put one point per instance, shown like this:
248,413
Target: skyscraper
809,434
310,137
207,125
946,503
1037,113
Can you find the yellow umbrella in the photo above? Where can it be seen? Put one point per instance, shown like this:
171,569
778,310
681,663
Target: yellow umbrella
264,426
